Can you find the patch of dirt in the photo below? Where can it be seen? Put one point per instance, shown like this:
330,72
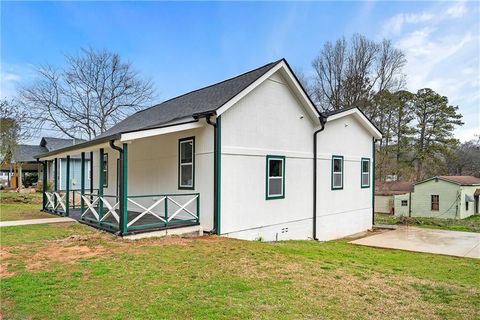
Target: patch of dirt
4,273
67,255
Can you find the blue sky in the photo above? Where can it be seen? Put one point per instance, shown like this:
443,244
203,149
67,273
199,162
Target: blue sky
183,45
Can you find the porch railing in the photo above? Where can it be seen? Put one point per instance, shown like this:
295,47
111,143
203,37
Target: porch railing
144,211
56,200
102,210
162,210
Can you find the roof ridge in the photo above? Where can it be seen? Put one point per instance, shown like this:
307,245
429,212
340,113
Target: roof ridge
211,85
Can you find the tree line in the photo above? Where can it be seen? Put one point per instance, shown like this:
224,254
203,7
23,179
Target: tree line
417,127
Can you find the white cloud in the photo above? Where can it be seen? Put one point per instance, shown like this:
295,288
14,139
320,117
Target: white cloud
458,10
443,55
395,24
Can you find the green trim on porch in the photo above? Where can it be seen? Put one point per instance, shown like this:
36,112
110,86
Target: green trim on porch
219,173
100,181
125,188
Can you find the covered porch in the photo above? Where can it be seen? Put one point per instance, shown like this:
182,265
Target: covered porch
123,195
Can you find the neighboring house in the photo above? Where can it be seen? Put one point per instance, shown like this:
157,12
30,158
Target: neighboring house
442,197
385,192
235,158
24,161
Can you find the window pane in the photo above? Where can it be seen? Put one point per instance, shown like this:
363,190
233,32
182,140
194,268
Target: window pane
275,187
365,179
186,175
337,180
275,168
186,152
365,166
337,165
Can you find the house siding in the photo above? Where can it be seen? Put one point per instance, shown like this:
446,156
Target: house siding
271,121
75,174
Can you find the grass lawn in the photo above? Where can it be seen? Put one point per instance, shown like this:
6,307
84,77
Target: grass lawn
15,206
70,271
470,224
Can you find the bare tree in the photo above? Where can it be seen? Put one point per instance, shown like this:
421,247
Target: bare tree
94,91
352,73
12,116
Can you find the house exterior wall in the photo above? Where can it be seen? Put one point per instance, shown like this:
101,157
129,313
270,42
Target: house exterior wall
399,209
349,210
153,169
75,174
449,194
271,121
266,122
467,190
383,204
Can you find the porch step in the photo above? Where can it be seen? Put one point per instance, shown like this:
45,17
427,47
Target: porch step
192,231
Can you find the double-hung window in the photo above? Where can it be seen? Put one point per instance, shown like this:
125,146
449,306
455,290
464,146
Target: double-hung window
275,177
435,202
105,170
337,172
365,174
186,163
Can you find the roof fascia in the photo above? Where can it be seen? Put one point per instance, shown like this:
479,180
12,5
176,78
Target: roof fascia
362,119
145,133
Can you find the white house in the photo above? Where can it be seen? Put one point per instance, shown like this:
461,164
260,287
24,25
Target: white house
249,157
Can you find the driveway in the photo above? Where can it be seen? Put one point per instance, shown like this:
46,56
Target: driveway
453,243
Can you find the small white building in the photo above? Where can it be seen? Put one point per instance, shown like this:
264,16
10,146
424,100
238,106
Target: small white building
249,157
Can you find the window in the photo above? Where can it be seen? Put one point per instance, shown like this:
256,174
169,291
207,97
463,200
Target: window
466,206
337,172
435,202
186,163
365,164
404,203
105,170
275,177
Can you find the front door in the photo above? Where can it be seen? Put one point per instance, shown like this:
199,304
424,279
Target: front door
476,204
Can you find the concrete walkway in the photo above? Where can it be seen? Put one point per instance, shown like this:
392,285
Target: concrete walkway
453,243
35,221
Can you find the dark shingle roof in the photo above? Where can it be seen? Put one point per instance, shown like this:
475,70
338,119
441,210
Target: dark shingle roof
26,153
207,99
58,143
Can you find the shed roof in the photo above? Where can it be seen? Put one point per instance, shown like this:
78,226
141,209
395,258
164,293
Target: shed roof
460,180
58,143
393,187
27,152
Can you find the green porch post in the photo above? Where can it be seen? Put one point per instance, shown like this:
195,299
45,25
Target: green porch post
100,182
45,184
91,173
67,188
124,193
82,183
55,181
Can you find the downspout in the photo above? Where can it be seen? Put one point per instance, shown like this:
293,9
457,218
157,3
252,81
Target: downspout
121,191
323,120
216,228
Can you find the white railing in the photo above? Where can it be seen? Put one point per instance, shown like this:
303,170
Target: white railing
94,202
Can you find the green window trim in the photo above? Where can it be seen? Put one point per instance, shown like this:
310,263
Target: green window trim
268,178
342,172
180,164
362,173
105,170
